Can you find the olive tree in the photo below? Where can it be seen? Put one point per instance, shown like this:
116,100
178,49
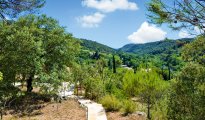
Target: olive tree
36,47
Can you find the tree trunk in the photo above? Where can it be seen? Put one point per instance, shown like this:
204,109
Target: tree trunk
114,65
29,83
148,109
81,93
135,70
109,64
169,73
77,88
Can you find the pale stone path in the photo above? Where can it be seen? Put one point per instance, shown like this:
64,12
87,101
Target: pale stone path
95,111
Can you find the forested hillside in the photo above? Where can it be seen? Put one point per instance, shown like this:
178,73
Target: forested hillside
95,46
155,47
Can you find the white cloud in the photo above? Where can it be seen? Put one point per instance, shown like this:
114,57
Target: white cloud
110,5
184,34
90,21
192,33
104,6
199,31
147,33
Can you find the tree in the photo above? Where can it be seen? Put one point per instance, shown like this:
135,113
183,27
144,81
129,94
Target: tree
168,59
135,64
109,64
12,8
78,75
151,88
118,61
114,64
187,98
194,52
178,13
147,85
36,48
130,84
93,83
96,55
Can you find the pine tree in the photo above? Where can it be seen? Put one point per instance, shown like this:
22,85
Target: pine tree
114,64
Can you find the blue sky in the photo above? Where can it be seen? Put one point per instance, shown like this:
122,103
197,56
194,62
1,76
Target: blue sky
110,22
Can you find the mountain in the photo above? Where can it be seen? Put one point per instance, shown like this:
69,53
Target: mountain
155,47
95,46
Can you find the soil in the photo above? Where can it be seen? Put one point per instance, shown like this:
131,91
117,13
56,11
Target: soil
66,110
120,116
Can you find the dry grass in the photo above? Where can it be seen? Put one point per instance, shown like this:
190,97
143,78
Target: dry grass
120,116
67,110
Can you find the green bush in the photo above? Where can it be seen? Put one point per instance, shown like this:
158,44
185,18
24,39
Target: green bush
128,107
110,103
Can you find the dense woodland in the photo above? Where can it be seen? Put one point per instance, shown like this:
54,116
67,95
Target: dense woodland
165,79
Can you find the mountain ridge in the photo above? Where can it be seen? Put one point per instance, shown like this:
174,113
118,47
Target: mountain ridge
95,46
156,47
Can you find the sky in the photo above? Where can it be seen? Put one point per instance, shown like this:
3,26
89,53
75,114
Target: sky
111,22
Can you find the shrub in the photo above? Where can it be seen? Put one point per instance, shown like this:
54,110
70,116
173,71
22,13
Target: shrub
110,103
128,107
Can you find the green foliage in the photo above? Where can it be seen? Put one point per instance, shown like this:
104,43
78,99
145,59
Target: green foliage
145,84
150,85
128,107
187,98
159,16
110,103
113,83
178,14
36,46
118,61
94,88
195,51
171,62
152,88
7,93
154,48
94,46
93,80
130,84
160,109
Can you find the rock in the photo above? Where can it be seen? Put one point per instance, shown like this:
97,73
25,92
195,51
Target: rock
140,113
